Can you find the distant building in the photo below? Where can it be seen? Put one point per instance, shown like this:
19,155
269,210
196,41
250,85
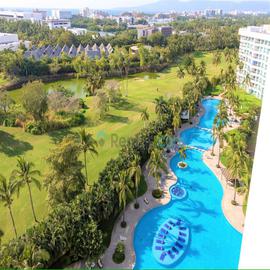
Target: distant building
166,30
73,51
61,14
130,20
254,53
78,31
148,31
58,23
213,12
85,12
34,16
11,42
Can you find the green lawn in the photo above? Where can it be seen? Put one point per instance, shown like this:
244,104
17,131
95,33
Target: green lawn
121,122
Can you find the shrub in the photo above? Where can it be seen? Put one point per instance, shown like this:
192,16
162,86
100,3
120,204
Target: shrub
119,253
157,193
36,127
9,122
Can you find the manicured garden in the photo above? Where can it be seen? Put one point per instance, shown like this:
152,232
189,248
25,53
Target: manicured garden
120,122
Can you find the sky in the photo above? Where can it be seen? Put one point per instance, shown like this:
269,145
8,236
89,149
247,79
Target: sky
76,4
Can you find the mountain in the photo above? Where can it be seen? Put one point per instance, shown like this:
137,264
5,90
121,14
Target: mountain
194,5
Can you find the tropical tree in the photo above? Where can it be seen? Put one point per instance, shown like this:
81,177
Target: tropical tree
94,81
26,176
7,190
1,235
88,144
220,122
144,115
217,58
156,165
161,106
180,72
65,179
182,151
135,171
124,187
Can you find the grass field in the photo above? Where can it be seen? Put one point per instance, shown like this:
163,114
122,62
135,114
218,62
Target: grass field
123,122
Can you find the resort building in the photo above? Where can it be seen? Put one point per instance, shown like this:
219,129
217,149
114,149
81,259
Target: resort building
10,41
73,51
61,14
254,53
34,16
58,23
147,31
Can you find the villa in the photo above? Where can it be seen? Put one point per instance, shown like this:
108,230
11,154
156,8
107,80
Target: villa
73,51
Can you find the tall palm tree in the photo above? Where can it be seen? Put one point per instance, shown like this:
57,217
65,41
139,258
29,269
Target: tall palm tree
144,116
183,152
124,187
88,144
27,176
161,105
135,171
157,165
1,235
180,72
7,191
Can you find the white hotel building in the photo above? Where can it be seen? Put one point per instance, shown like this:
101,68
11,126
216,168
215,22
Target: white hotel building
254,53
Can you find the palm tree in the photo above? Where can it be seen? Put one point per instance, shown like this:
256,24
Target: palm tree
135,171
7,190
215,134
183,152
26,176
144,116
217,58
1,235
157,165
180,72
88,144
161,106
124,192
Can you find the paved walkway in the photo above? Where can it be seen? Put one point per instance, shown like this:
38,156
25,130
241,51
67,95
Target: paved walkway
234,214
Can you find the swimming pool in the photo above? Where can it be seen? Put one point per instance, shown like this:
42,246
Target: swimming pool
213,243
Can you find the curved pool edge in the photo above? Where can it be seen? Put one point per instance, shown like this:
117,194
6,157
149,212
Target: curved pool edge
167,200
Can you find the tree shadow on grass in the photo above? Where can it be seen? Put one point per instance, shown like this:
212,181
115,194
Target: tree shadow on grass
58,135
11,146
198,54
124,105
115,119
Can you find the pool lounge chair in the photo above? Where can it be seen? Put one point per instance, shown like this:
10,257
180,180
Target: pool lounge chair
168,227
162,230
146,200
175,250
183,228
158,241
162,256
162,236
172,223
171,254
182,234
179,245
159,248
181,239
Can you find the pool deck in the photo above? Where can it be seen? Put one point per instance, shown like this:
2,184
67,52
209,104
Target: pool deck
234,214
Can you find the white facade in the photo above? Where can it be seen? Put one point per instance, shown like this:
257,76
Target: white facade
34,16
78,31
254,53
61,14
54,23
6,38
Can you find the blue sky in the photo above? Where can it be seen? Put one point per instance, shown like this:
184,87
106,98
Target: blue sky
106,4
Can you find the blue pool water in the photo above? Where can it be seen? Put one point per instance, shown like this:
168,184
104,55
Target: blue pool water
214,243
